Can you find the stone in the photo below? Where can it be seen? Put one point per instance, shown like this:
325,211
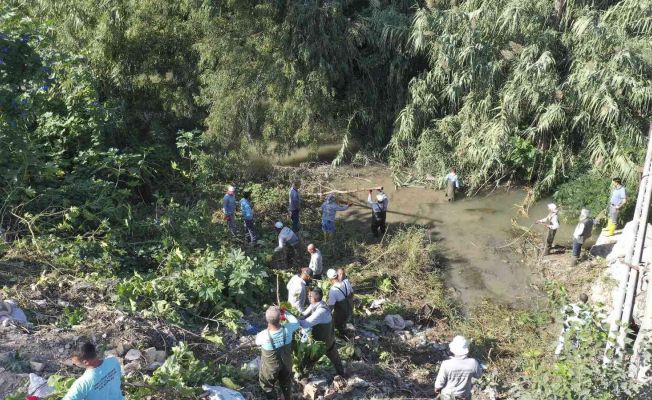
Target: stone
111,353
161,356
409,324
395,322
133,355
68,346
131,367
36,366
311,391
122,348
153,366
150,354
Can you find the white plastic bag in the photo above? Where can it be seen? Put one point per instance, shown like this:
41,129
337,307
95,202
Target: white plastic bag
39,387
222,393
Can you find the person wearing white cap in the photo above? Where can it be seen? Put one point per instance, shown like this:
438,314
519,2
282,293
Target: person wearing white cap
582,232
288,241
551,221
229,209
339,297
378,212
455,377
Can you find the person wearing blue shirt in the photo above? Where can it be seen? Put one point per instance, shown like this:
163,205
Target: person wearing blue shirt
328,211
452,184
616,202
276,353
229,209
295,205
248,217
102,378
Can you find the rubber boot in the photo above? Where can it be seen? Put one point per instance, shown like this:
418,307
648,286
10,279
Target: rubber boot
611,229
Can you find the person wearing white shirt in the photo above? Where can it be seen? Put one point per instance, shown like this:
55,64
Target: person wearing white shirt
551,221
455,377
318,318
288,241
315,261
338,300
452,184
297,290
582,232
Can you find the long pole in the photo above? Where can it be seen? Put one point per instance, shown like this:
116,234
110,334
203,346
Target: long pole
619,299
643,336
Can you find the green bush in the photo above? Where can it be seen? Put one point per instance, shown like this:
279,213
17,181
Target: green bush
590,191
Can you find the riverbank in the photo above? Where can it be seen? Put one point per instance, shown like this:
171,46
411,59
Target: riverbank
406,273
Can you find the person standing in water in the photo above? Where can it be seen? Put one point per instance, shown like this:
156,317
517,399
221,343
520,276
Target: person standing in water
452,184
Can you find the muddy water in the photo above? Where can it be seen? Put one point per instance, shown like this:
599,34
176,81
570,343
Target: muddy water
468,231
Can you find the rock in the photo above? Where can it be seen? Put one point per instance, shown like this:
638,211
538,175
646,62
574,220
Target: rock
81,285
253,366
131,367
404,335
122,348
161,356
153,366
247,340
36,366
111,353
377,303
68,346
409,324
357,382
133,355
40,302
150,354
395,322
310,391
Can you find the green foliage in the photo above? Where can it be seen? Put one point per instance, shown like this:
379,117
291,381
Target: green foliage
204,283
527,89
590,191
70,317
579,372
183,374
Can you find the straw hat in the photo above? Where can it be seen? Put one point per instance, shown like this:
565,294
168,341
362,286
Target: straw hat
459,346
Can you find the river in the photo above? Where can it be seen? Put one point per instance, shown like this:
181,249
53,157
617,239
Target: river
468,231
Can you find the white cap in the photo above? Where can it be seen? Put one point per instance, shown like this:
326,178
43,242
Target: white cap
230,189
331,274
552,207
585,213
459,346
278,225
380,197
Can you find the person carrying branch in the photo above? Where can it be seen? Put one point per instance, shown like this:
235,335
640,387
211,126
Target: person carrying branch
378,212
452,184
318,318
276,353
551,221
328,211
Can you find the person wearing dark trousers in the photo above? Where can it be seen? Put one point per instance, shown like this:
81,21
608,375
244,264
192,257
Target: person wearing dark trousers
318,317
229,210
582,232
276,353
551,222
247,211
288,241
378,213
295,205
340,299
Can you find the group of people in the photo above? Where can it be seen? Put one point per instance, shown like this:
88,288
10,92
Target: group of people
316,316
584,227
288,235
